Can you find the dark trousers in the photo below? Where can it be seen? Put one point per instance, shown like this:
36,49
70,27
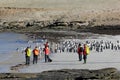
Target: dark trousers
85,58
35,59
27,60
47,59
80,57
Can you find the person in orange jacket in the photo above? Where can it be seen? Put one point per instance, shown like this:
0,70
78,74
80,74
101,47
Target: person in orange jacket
36,53
47,52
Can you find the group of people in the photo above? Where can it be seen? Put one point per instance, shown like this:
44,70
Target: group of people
36,53
83,52
83,48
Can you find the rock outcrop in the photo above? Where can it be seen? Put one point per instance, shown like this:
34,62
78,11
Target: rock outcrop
66,74
103,74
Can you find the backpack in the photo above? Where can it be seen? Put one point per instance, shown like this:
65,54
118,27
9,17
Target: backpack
81,49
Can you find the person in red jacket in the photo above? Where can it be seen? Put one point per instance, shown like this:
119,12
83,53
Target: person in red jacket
80,52
47,52
85,53
46,44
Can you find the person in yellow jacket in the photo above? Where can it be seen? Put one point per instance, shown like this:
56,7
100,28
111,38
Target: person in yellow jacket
27,55
86,51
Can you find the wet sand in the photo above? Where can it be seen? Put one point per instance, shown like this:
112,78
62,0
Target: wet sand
18,69
55,38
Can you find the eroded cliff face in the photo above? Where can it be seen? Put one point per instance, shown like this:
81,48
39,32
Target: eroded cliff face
35,19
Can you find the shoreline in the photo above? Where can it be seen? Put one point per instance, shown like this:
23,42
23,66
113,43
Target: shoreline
22,65
63,35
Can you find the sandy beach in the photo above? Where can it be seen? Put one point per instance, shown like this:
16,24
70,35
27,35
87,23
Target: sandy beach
70,61
64,24
67,60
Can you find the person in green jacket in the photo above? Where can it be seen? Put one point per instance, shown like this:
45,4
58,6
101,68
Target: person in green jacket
27,55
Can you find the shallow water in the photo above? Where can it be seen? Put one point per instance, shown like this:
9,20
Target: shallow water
11,42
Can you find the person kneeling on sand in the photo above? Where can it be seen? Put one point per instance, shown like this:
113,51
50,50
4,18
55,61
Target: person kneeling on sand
36,53
47,52
27,55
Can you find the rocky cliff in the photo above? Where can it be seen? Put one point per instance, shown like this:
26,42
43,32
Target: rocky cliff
35,19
